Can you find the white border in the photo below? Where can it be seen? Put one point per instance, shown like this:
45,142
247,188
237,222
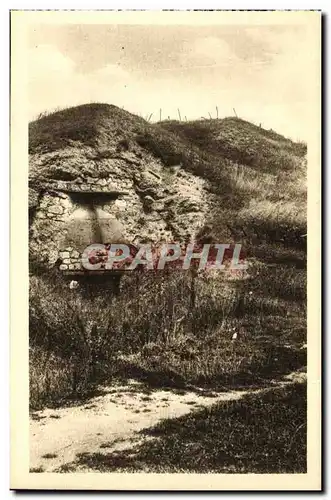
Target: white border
4,198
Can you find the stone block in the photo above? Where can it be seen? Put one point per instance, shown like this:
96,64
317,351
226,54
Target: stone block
66,261
53,256
120,203
55,209
63,267
158,206
148,200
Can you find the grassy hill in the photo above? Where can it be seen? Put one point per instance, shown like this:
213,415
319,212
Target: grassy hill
265,178
240,141
258,176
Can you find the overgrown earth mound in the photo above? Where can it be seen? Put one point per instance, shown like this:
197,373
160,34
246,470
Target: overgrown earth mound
164,182
128,171
100,174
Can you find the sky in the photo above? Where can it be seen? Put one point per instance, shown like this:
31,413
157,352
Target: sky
260,71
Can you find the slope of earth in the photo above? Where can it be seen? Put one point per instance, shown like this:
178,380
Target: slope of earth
240,141
169,181
102,156
264,198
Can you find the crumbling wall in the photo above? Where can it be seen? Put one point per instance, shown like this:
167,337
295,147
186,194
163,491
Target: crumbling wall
71,260
150,202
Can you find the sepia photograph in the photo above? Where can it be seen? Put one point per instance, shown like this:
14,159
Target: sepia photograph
165,264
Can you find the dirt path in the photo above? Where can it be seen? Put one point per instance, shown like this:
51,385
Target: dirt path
110,421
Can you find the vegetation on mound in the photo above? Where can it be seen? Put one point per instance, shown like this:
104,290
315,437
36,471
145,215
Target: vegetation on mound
241,142
89,124
108,129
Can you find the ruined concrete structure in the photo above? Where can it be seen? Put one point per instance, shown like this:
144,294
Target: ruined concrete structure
113,190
